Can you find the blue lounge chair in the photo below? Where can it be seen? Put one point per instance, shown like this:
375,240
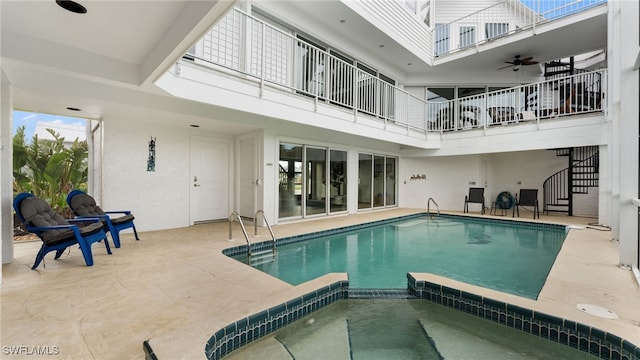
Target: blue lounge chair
57,233
84,205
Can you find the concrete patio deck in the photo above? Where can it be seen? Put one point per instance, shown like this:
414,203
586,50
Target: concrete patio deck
175,288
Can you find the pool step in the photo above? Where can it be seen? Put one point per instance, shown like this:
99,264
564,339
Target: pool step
262,257
380,294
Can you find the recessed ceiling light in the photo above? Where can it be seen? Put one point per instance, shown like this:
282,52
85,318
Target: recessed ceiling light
195,125
72,6
73,108
409,64
342,21
381,46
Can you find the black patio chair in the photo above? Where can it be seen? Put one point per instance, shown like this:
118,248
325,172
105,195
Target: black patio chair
58,233
84,205
476,196
528,197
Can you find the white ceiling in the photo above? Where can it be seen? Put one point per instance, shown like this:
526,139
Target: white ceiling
112,54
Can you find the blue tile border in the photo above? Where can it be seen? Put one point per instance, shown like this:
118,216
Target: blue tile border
255,326
268,244
563,331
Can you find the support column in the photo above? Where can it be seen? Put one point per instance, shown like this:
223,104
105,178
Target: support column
6,171
624,48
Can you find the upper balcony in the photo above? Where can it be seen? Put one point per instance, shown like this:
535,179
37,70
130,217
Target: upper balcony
246,48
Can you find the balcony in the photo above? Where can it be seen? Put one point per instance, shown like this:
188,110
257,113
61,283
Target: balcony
505,18
243,46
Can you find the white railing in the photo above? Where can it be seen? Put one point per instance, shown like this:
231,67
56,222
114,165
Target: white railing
571,95
501,19
248,45
270,56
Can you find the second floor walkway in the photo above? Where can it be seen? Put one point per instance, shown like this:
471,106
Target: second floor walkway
248,49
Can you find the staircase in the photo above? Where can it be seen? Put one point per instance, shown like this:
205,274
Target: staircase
577,178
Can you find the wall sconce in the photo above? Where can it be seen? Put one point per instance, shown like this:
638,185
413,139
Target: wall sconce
418,177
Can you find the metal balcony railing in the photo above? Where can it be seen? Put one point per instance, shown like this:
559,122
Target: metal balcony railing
570,95
244,45
504,18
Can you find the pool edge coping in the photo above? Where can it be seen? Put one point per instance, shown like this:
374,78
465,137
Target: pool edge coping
563,331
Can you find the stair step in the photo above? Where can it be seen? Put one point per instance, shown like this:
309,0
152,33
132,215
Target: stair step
261,257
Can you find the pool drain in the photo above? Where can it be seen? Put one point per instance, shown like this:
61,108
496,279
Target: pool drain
598,311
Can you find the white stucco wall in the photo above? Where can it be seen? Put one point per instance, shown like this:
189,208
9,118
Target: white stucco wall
449,178
159,199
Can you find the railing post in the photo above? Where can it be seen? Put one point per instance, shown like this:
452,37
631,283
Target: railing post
262,59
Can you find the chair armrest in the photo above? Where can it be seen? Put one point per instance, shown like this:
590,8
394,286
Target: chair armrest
126,212
78,219
49,228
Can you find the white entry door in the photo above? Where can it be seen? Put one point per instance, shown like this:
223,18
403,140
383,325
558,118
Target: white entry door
209,179
247,153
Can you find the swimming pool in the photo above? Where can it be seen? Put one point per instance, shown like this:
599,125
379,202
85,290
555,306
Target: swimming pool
509,256
400,329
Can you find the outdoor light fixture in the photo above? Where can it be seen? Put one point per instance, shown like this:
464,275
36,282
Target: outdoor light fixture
72,6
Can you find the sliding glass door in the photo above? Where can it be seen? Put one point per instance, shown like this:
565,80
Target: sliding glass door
338,180
290,180
315,189
376,182
313,180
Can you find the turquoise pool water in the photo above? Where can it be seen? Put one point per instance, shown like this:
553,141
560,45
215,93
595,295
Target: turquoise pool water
512,257
374,329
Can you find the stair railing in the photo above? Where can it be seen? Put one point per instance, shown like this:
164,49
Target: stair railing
236,217
255,226
562,185
429,201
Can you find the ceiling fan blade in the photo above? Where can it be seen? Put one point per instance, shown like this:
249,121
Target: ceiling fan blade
531,62
526,59
508,66
510,62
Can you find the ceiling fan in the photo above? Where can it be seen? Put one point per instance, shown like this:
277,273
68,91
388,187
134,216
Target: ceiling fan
517,62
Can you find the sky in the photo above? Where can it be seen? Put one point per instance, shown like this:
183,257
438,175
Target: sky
29,120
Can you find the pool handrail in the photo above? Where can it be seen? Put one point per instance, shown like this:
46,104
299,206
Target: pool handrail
255,226
233,217
429,201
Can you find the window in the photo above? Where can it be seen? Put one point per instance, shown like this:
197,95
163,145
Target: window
441,43
492,30
467,36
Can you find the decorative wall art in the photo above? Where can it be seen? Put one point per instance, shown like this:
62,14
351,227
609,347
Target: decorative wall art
151,161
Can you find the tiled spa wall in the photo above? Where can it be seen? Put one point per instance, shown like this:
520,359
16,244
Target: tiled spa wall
255,326
576,335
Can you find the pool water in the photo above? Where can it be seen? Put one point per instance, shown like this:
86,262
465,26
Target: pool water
371,329
512,257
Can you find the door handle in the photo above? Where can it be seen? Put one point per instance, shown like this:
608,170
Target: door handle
194,185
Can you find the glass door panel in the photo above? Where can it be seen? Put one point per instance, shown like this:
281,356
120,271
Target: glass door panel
338,180
391,181
365,168
290,180
315,189
378,181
